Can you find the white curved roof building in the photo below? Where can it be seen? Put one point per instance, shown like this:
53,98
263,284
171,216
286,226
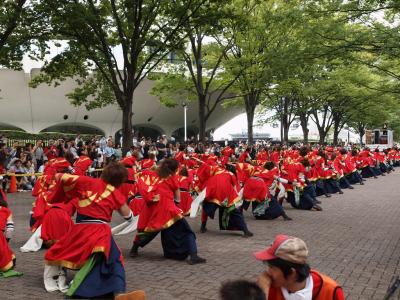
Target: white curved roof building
46,108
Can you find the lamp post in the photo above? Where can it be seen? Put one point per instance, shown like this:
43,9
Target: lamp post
348,135
184,105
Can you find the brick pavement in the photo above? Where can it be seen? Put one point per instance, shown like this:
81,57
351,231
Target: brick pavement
355,239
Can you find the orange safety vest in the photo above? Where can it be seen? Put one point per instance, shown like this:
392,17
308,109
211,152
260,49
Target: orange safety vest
324,288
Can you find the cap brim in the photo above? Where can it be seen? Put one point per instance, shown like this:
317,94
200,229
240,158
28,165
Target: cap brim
264,255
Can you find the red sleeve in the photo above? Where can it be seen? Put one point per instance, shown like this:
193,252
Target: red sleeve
69,187
338,295
119,199
173,182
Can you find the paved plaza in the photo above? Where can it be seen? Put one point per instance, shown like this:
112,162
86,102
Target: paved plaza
355,240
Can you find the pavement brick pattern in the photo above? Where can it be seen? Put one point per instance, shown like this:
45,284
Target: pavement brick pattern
355,240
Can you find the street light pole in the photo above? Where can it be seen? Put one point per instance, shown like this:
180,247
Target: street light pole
348,136
184,117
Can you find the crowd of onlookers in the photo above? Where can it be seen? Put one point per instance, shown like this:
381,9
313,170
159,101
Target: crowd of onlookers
29,158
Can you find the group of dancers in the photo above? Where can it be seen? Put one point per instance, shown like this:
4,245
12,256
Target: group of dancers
159,196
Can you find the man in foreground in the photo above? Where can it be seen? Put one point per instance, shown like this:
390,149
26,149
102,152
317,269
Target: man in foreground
289,277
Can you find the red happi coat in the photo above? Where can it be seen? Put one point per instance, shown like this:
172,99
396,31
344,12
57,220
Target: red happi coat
6,254
268,176
227,151
180,157
262,156
244,157
81,165
366,159
275,157
255,189
312,173
147,163
55,165
160,210
339,165
185,184
329,170
222,188
350,164
44,186
244,171
291,171
96,200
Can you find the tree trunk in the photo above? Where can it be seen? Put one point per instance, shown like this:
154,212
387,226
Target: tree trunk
304,127
127,136
250,102
361,130
335,136
286,133
285,122
322,135
202,118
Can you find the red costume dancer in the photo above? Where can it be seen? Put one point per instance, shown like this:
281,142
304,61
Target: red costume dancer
159,189
89,245
276,156
245,156
81,165
257,191
262,157
148,163
7,257
368,164
228,151
222,193
129,188
339,163
350,168
44,186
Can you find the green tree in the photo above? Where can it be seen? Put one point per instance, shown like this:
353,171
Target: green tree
20,25
265,47
199,68
143,31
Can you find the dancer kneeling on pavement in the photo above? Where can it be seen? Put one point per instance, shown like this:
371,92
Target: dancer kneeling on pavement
160,190
260,190
222,194
89,246
301,193
288,276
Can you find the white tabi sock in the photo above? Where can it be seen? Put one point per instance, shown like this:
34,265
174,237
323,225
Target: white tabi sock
50,283
62,281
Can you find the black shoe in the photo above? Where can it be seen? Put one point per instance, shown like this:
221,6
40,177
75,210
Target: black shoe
195,259
351,188
203,228
362,183
317,207
247,233
328,195
134,251
317,201
287,218
340,192
383,174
